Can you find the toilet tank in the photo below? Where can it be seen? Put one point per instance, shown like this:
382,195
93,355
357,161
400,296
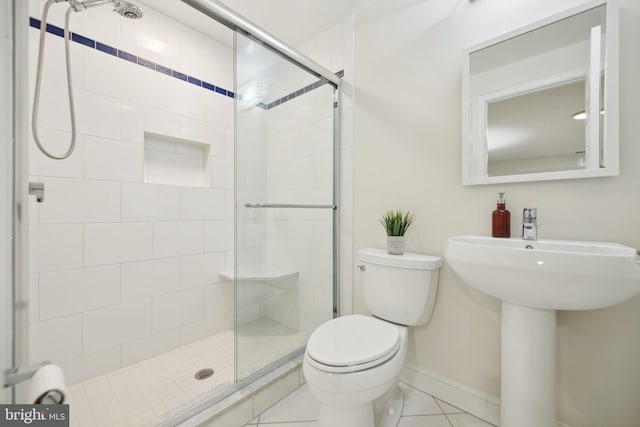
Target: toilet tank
399,288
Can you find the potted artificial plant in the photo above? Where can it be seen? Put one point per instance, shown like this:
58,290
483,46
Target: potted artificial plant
396,224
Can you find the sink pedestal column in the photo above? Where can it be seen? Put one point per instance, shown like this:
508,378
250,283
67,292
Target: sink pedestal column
528,367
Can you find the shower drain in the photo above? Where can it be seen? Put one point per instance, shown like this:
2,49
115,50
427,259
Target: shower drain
203,374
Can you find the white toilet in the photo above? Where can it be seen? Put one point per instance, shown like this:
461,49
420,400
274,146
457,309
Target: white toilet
352,364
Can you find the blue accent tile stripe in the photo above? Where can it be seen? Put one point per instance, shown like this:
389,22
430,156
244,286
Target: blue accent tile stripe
93,44
179,75
194,81
83,40
106,49
146,63
127,56
55,30
164,70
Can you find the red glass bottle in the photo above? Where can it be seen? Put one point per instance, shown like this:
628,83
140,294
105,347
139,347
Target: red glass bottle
501,219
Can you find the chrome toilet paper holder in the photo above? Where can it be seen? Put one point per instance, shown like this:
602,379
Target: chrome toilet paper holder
21,374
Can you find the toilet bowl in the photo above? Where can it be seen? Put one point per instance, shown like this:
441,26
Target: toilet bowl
352,363
357,382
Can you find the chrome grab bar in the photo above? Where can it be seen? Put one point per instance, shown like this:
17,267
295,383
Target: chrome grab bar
287,205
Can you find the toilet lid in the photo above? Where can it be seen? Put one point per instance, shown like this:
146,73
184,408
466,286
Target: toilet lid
353,340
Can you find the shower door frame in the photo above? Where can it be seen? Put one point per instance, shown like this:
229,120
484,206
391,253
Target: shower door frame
227,17
7,124
335,110
16,148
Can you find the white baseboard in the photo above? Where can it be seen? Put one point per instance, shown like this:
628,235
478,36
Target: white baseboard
485,406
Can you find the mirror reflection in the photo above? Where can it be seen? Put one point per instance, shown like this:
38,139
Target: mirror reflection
528,133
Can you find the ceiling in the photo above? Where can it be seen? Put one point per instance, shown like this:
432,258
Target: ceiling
288,20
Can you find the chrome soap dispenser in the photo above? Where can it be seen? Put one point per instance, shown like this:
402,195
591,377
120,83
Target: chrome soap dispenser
501,219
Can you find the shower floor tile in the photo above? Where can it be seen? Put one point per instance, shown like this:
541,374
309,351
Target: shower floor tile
150,391
265,341
300,408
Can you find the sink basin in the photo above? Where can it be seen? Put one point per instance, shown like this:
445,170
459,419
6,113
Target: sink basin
547,274
534,279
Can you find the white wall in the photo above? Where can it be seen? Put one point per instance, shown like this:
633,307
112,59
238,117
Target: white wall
123,269
407,155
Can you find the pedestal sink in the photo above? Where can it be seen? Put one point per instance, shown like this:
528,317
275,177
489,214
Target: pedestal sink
534,279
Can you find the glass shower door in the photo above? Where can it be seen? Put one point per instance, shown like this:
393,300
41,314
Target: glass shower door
284,266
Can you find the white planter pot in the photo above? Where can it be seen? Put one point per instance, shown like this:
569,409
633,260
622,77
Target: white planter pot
395,245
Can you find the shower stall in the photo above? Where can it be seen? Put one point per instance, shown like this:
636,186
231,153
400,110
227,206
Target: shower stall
189,242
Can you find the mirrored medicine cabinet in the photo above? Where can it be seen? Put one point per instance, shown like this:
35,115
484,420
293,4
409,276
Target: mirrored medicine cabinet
541,103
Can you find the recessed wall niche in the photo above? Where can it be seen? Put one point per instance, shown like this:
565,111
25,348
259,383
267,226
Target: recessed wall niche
175,161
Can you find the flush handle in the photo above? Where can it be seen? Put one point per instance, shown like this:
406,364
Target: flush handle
361,267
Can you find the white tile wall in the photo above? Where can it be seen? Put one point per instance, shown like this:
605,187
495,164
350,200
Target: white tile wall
200,270
142,349
138,119
113,159
202,329
221,172
98,363
104,75
203,204
177,238
205,133
176,309
80,201
149,202
55,247
94,239
116,243
218,235
97,115
56,339
57,143
111,326
147,278
51,116
74,291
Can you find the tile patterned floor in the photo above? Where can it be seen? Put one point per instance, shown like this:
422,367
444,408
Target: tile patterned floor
147,392
300,409
144,393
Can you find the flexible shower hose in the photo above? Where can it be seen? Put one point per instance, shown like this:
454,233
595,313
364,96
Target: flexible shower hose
36,97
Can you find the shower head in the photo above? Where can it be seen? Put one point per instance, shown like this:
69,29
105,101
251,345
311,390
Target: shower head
126,9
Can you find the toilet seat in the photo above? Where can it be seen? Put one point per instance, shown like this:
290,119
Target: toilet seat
352,343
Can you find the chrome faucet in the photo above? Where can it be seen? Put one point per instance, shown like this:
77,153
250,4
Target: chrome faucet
529,224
